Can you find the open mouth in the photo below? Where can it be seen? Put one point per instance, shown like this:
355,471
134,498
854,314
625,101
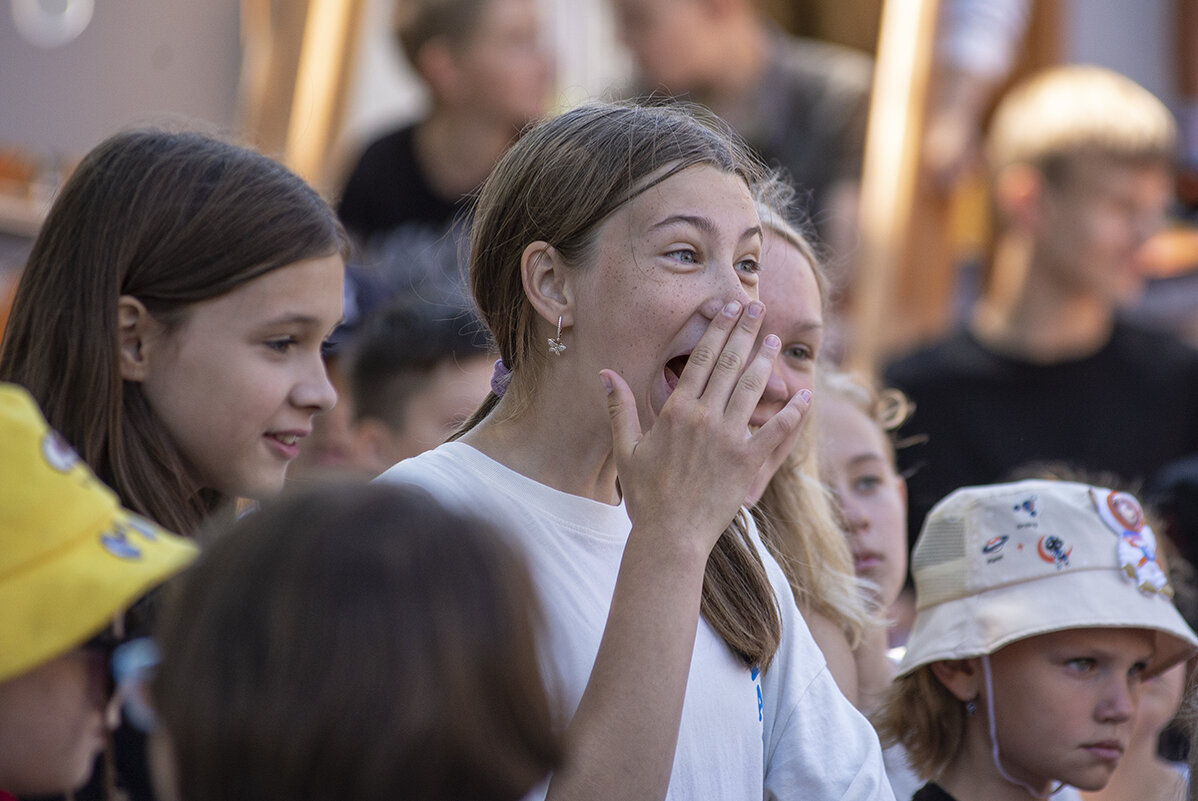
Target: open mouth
674,368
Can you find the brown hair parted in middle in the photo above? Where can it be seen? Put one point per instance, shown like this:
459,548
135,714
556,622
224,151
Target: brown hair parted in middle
357,642
557,184
170,219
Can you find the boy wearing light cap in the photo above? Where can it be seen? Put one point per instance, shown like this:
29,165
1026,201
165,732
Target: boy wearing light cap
1041,606
72,560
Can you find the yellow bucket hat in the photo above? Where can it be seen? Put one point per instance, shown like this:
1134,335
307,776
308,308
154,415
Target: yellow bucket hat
71,558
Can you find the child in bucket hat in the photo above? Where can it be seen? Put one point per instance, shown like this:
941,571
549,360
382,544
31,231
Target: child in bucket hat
71,562
1041,606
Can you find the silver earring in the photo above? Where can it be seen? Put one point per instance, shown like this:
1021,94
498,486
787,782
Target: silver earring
556,346
971,708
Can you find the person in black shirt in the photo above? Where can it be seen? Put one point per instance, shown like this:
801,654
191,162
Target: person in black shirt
487,75
1045,371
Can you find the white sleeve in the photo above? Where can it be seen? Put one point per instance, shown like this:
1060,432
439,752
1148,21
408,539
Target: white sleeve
981,36
818,747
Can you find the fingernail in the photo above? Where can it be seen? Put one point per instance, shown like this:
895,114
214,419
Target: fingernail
732,308
771,341
606,382
756,309
805,394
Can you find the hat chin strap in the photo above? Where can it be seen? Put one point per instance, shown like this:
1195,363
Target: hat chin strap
994,738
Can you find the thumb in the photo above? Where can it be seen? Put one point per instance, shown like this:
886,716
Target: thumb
621,405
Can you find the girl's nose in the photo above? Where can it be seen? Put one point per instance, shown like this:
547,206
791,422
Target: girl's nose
855,517
1118,705
315,390
776,392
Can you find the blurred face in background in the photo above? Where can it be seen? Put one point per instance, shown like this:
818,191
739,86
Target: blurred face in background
858,466
668,40
502,68
794,313
52,723
449,395
1094,221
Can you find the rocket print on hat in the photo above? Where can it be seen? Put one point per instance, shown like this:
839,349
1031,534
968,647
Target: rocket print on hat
1137,543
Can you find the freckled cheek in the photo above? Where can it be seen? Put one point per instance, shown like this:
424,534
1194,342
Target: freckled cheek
795,379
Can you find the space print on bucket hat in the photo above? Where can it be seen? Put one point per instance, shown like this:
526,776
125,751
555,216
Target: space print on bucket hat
1000,563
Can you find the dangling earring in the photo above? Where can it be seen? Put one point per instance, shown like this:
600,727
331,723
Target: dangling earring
556,346
971,708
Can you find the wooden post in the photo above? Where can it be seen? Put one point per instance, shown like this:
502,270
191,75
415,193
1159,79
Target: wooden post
295,77
889,183
912,234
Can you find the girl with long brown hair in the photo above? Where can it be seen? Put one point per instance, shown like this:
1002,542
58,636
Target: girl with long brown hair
615,259
170,319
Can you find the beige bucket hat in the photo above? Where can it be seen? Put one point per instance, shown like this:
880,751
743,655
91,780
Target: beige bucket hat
1003,562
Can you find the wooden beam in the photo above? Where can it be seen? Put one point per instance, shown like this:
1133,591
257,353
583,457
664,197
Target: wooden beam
297,65
889,181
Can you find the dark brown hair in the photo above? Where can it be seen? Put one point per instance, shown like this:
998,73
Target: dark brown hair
359,643
558,184
171,219
394,354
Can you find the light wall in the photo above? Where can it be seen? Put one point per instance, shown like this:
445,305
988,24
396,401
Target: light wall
137,61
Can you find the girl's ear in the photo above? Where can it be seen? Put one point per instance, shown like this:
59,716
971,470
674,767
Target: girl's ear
134,327
960,676
546,283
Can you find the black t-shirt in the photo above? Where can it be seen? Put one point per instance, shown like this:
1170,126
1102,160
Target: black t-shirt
932,792
1128,409
388,188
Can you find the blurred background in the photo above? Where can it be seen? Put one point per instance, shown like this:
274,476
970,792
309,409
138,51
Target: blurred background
311,81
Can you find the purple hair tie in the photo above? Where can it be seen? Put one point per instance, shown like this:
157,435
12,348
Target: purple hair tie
501,376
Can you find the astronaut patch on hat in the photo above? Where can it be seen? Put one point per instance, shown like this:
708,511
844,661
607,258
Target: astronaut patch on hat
1137,548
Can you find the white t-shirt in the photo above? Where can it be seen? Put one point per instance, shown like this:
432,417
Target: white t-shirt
789,730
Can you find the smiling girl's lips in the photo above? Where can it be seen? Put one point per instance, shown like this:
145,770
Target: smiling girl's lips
284,444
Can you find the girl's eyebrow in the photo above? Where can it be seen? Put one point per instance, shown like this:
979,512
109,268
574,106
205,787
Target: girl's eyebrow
296,318
704,224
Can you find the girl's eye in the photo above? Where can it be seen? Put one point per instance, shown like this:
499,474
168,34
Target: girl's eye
1137,670
748,266
867,484
1082,664
684,255
281,345
800,352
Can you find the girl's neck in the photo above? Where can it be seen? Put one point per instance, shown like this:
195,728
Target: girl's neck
457,151
972,775
550,442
